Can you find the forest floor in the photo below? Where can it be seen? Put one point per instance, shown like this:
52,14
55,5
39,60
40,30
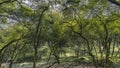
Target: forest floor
66,66
61,65
71,65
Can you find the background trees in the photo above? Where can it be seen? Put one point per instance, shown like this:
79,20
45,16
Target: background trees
37,31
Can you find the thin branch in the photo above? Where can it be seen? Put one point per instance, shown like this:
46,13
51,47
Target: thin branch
114,2
8,44
7,1
11,42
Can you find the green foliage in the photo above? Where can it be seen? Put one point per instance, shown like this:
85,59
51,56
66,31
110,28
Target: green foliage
86,29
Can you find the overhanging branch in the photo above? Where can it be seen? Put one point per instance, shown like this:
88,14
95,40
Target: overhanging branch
114,2
8,44
7,1
11,42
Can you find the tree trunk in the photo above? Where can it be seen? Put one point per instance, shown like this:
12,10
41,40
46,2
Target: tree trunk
10,65
0,64
35,57
57,58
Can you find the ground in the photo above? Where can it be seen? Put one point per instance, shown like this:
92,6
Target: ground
65,65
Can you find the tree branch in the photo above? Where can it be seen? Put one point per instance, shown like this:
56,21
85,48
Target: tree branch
7,1
114,2
11,42
8,44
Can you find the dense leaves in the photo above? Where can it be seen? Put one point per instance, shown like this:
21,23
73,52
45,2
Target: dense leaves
54,31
